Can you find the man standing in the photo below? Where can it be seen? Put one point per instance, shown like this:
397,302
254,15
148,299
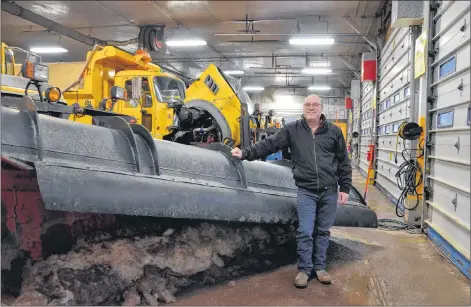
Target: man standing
321,165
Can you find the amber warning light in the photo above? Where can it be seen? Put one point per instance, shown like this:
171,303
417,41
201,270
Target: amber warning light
53,94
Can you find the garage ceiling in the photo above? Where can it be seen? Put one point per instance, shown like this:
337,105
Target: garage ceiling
267,60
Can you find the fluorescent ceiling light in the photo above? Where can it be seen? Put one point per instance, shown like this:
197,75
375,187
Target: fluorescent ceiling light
48,50
311,41
316,71
320,64
319,88
186,43
234,72
253,88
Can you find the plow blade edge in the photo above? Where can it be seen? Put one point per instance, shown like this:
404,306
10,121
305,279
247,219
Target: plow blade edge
123,170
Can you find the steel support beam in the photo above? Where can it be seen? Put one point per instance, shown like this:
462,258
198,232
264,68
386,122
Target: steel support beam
371,39
51,25
301,87
240,57
21,12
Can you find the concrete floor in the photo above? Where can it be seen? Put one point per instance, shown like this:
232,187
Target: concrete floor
369,267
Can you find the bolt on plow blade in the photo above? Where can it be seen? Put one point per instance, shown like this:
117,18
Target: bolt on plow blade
121,169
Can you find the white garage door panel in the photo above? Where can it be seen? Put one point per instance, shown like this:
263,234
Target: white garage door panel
446,198
401,80
388,156
387,181
367,90
402,43
396,72
450,12
399,95
366,101
364,165
453,232
399,56
366,121
388,169
397,37
445,145
449,159
394,114
458,114
462,63
388,143
365,141
451,173
365,124
449,94
453,37
393,109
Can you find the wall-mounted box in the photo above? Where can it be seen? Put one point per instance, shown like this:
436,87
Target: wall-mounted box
407,13
368,66
355,92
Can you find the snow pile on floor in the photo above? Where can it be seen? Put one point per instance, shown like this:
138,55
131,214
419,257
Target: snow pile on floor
147,270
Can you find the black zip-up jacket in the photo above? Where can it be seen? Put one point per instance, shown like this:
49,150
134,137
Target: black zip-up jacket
320,159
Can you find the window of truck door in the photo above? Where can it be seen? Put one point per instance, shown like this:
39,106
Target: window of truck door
9,63
145,101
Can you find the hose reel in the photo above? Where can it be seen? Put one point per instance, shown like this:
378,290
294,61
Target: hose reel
151,37
409,131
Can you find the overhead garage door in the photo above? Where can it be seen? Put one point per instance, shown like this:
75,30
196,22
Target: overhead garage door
393,110
355,127
366,124
448,205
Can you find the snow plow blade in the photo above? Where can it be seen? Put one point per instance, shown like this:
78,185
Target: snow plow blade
121,169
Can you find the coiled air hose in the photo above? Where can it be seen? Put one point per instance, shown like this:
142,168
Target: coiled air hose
407,179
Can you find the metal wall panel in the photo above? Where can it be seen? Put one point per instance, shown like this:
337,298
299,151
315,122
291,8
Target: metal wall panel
449,157
366,124
356,128
393,110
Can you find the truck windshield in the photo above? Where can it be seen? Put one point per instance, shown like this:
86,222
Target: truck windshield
169,89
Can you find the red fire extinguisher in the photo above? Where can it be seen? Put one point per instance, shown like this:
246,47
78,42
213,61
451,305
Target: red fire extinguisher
370,153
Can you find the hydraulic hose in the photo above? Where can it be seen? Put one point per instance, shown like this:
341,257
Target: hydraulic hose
407,180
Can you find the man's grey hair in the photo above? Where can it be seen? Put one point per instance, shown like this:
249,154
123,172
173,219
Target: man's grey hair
313,96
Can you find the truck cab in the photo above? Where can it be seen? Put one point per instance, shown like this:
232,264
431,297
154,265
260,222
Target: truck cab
152,93
153,97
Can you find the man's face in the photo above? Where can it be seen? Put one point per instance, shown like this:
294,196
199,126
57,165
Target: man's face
312,108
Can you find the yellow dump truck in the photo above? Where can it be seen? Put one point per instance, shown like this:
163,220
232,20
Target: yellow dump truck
31,78
214,108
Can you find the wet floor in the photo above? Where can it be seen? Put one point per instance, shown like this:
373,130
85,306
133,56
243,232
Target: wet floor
368,266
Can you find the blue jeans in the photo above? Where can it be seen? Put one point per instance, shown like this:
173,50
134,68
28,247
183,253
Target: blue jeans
316,215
